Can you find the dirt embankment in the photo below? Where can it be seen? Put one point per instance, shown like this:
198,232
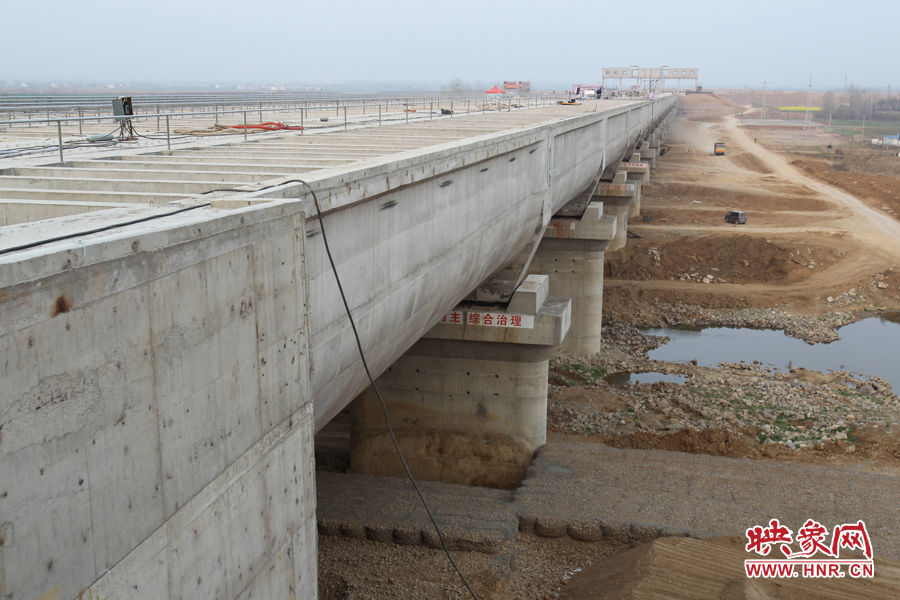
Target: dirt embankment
736,258
808,246
878,191
713,569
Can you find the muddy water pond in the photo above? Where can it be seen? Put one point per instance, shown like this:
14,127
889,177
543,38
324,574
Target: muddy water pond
870,346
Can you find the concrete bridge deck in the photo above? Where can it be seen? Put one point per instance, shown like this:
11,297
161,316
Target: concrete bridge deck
164,378
143,175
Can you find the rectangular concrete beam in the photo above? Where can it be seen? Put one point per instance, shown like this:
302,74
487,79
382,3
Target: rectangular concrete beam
594,225
614,189
529,297
479,323
635,166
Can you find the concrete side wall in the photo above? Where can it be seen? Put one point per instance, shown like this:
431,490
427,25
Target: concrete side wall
409,256
414,245
131,385
577,156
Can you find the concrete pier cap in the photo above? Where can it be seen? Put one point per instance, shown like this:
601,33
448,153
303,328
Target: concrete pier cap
468,402
617,199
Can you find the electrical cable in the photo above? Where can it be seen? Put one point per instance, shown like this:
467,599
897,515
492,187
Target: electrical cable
24,150
387,420
98,230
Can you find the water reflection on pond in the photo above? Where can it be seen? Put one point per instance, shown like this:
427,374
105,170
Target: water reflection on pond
870,346
621,379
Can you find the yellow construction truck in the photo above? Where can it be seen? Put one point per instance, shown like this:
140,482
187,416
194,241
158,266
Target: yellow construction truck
719,149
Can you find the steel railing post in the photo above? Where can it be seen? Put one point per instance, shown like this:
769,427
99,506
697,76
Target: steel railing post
80,115
168,136
59,132
345,117
301,122
245,125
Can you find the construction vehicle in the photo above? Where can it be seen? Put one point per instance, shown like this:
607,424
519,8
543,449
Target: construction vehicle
719,149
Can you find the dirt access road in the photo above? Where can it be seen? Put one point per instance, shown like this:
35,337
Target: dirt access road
805,239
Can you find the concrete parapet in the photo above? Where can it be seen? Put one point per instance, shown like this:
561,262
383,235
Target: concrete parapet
468,402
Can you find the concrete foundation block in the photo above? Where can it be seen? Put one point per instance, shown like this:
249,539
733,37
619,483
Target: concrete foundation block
530,295
480,428
466,406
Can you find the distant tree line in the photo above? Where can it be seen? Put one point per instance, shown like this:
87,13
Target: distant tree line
458,85
858,103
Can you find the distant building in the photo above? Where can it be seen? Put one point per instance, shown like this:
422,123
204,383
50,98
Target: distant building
517,87
891,140
587,89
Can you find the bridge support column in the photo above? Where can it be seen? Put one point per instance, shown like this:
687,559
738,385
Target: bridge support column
468,402
616,198
638,173
634,207
572,253
648,154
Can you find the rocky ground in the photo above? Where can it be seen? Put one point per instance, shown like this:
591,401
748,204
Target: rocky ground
798,409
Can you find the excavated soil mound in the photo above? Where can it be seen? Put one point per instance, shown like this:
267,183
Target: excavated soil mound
715,442
728,259
713,569
750,162
671,196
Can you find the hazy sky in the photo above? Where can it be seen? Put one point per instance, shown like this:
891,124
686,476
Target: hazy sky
731,43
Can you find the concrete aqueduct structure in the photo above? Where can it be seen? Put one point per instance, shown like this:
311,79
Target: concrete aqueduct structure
161,382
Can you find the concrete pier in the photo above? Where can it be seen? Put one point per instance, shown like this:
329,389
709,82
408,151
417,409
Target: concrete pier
468,402
616,198
571,254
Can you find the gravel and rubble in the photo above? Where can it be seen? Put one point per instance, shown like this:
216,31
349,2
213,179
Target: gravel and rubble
811,329
870,294
798,409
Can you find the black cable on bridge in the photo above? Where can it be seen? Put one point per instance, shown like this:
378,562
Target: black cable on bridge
387,420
